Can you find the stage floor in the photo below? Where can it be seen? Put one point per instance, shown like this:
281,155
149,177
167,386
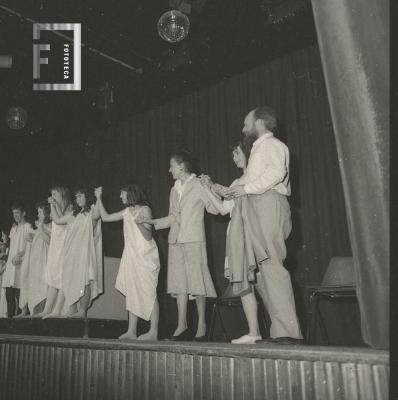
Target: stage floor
37,367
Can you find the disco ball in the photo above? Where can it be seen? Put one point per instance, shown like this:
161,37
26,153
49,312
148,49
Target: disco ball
173,26
16,118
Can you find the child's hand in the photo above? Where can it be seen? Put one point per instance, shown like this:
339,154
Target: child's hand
29,237
2,266
205,181
142,219
37,223
98,192
51,200
17,260
4,237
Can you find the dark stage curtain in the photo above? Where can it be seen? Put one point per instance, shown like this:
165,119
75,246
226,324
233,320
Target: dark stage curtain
353,39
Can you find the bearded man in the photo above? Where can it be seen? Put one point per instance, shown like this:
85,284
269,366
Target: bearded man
267,186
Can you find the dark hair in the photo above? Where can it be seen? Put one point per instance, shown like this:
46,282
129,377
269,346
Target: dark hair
135,195
267,114
18,206
65,193
43,205
186,157
245,144
88,194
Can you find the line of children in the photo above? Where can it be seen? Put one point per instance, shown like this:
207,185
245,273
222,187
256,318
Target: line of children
64,257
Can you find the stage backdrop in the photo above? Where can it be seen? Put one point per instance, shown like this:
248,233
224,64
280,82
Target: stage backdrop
207,122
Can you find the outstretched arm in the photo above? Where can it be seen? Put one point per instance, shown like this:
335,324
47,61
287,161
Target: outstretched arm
216,202
117,216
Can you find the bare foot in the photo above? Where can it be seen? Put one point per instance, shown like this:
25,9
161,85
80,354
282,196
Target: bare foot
52,315
150,335
201,331
40,314
78,314
128,336
21,315
179,330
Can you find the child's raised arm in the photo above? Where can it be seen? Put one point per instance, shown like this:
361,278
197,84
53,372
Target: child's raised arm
56,215
117,216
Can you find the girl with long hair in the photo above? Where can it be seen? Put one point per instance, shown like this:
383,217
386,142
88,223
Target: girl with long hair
137,278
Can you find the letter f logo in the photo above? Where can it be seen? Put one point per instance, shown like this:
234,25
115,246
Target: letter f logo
37,48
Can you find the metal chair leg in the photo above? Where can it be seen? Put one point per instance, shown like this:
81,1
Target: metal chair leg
212,322
322,327
313,319
227,339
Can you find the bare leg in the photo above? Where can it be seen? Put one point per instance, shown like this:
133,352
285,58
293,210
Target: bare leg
182,305
70,311
201,306
152,334
38,309
24,312
51,297
249,303
84,305
131,333
59,305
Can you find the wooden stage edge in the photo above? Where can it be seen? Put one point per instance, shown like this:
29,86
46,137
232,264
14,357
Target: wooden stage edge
64,368
261,351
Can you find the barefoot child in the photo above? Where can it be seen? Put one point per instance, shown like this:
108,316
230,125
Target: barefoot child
3,261
81,256
12,274
37,291
139,267
60,202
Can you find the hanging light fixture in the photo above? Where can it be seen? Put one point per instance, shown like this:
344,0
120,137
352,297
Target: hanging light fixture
173,26
16,118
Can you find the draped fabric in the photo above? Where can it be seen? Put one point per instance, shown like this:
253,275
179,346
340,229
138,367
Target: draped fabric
353,38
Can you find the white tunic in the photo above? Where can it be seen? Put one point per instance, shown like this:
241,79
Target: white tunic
37,266
53,274
81,259
23,298
139,268
12,274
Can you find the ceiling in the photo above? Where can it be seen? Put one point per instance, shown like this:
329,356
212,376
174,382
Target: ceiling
226,37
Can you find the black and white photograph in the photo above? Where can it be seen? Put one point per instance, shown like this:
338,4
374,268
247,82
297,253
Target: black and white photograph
195,200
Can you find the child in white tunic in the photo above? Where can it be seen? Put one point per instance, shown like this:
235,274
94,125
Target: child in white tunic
139,267
37,290
3,261
12,274
81,257
60,201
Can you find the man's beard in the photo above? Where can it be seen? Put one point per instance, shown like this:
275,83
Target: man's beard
251,134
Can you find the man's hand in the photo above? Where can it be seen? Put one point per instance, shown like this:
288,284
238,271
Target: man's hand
235,191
